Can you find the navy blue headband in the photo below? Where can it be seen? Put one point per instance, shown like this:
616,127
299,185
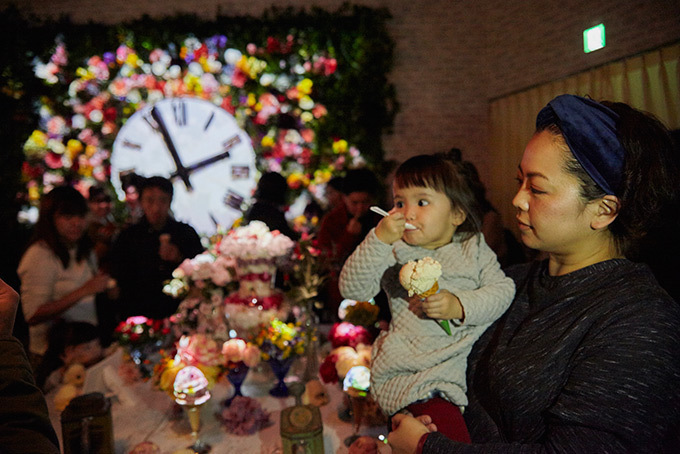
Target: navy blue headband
589,128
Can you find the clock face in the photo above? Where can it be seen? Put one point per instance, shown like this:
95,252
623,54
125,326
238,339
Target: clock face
200,147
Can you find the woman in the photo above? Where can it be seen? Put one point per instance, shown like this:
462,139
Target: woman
58,271
587,358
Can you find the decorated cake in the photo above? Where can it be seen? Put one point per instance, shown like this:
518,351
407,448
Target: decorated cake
256,250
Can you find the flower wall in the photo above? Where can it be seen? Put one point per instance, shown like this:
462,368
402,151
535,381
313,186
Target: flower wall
309,88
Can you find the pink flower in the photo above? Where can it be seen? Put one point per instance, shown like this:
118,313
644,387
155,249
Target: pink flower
199,349
233,350
136,320
251,356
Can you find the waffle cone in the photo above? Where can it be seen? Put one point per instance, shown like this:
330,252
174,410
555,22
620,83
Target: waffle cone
430,292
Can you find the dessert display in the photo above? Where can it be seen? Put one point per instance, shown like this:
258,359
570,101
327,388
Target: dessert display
256,250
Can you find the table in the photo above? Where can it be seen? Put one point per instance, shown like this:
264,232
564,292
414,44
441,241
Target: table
150,418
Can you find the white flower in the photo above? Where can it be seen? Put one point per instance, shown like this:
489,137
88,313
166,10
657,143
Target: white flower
195,68
267,79
232,56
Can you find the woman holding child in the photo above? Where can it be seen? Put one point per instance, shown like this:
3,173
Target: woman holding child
587,357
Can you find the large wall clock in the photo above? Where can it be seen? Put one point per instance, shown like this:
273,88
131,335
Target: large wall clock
200,147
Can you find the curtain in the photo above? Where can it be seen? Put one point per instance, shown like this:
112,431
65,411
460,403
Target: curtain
649,82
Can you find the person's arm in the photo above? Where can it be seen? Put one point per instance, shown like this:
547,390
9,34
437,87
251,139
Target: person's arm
361,273
9,301
38,272
23,412
496,291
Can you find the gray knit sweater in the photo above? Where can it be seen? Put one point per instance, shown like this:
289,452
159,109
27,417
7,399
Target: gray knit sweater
415,357
586,362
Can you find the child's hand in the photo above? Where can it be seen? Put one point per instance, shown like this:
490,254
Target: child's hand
443,306
391,228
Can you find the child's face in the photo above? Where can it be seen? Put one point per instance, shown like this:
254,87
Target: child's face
432,214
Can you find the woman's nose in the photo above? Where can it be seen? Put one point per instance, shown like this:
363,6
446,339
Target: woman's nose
520,200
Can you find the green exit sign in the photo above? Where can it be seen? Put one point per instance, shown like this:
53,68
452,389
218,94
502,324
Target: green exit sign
593,38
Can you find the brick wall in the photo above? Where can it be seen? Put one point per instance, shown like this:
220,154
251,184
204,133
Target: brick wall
452,56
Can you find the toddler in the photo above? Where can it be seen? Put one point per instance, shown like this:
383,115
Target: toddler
416,366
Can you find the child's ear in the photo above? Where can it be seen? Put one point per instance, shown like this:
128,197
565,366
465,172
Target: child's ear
457,216
607,209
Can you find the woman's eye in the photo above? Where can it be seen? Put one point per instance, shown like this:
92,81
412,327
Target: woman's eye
519,181
399,204
423,203
536,191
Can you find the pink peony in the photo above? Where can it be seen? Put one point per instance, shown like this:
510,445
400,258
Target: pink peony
251,356
199,349
233,350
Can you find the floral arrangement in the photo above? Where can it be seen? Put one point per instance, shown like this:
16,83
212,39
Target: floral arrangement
307,272
271,89
340,360
348,334
364,313
139,330
254,241
205,272
212,357
237,351
199,351
244,416
279,340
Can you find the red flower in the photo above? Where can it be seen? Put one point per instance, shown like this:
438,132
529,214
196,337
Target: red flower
327,369
347,334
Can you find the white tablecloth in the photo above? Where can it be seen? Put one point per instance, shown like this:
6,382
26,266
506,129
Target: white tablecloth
150,419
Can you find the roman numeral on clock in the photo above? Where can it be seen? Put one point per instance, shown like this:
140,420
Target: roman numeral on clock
179,108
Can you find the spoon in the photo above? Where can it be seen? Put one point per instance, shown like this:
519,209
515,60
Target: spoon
382,212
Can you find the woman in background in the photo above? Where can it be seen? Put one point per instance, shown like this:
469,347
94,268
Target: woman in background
58,271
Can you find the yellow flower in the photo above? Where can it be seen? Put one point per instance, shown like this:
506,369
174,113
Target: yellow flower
90,150
305,86
322,176
132,60
85,171
340,146
267,141
33,193
74,147
39,138
252,100
84,73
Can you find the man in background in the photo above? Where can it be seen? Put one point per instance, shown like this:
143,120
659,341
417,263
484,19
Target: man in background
145,254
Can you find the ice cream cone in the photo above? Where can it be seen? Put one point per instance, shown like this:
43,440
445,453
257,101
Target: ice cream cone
434,289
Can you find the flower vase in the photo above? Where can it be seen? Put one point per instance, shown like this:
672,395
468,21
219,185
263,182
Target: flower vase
280,367
236,377
312,351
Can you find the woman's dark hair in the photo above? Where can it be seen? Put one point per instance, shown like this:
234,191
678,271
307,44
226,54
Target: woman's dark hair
651,176
62,200
272,187
442,175
63,334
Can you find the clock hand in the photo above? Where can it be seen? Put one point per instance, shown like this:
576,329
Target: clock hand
228,145
181,170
